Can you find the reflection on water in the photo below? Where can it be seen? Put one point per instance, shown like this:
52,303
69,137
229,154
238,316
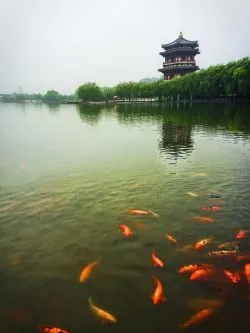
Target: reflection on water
176,141
66,184
90,114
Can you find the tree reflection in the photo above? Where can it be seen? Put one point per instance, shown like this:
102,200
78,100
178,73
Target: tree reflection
90,114
176,141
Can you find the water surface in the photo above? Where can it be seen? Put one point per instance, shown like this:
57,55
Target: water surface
69,173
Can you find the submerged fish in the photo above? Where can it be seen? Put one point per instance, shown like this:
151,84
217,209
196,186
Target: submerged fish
188,268
215,196
51,329
171,239
247,272
200,274
232,277
203,219
203,243
85,273
138,212
157,261
158,294
153,214
229,245
192,194
197,304
126,231
212,208
222,253
102,314
185,248
197,318
244,257
241,234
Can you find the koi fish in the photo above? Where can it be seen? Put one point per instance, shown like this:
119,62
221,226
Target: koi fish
222,253
158,295
203,219
138,212
188,268
153,214
104,315
229,245
192,194
212,208
244,257
185,248
50,329
126,231
171,239
157,261
202,243
247,272
87,270
214,196
234,278
197,304
198,317
241,234
200,274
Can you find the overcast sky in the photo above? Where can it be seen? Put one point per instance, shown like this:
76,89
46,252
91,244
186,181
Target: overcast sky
60,44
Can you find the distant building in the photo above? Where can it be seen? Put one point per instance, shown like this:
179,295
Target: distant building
179,57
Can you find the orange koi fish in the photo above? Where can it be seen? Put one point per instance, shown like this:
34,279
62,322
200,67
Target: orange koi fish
212,208
222,253
87,270
200,274
247,272
188,268
158,295
126,231
198,317
104,315
203,219
171,239
157,261
202,243
244,257
50,329
241,234
138,212
197,304
232,277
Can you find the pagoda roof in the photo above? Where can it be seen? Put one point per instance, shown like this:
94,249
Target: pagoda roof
180,41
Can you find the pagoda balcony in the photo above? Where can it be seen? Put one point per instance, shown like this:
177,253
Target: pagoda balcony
187,50
178,68
177,63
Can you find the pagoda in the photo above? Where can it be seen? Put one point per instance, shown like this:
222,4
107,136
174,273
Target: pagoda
179,57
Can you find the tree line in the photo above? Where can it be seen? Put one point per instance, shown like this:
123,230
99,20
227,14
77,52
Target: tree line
231,80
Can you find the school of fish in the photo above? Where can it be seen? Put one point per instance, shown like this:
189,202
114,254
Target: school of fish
206,273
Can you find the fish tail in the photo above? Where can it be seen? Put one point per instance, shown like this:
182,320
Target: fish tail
153,214
90,301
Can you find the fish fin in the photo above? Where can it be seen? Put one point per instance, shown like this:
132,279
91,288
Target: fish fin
163,298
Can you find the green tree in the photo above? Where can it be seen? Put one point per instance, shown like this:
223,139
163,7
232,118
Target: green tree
52,96
89,92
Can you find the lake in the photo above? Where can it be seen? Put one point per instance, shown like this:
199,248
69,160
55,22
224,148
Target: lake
69,174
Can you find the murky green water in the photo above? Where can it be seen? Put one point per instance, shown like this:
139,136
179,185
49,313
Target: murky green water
69,174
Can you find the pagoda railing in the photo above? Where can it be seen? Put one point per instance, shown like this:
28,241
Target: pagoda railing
183,62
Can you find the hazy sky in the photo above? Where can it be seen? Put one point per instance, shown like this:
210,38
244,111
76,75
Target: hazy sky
60,44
